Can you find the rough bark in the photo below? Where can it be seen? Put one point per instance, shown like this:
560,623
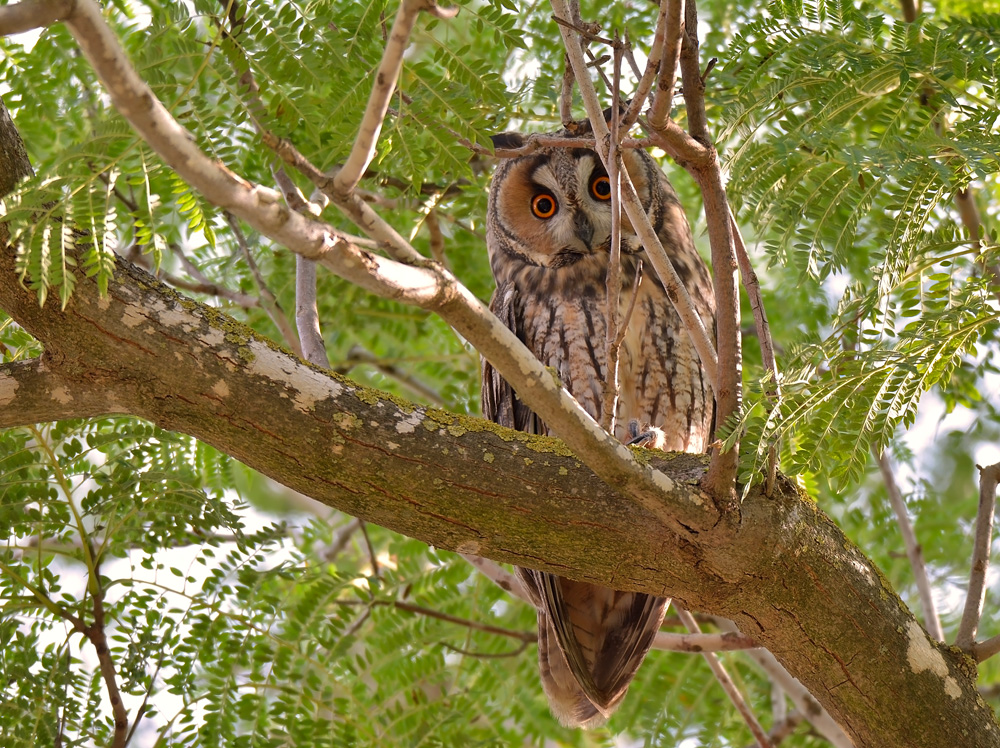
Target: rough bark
786,574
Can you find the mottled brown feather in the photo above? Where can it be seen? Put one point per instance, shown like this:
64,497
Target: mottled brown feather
551,277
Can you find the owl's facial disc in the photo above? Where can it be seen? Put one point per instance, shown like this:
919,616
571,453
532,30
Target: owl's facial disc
555,209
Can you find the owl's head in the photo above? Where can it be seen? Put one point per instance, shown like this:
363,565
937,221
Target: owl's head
552,208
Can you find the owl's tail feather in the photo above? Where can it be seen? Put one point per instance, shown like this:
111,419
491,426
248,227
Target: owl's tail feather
570,705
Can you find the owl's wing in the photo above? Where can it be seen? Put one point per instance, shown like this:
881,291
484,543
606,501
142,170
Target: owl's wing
500,403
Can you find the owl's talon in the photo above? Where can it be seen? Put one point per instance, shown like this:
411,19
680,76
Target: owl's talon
649,437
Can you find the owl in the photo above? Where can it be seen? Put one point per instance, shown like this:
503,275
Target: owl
549,237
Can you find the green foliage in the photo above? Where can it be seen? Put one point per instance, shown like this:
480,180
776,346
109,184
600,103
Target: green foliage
846,136
849,137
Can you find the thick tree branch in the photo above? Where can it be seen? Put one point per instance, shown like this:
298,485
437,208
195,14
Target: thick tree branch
786,574
31,392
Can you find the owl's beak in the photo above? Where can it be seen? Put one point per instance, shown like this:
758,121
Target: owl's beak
583,229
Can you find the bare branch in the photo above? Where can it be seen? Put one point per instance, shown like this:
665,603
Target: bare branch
721,476
730,641
804,701
693,82
659,111
203,285
268,300
306,311
752,286
436,237
524,636
502,578
989,477
358,355
784,727
654,63
613,281
33,14
98,638
914,552
968,211
385,83
633,208
727,684
986,649
340,539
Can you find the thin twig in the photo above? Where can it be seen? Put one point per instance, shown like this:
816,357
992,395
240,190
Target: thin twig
784,727
502,578
358,355
989,477
207,287
268,300
372,558
752,286
727,684
524,636
436,237
144,706
627,317
914,552
653,66
340,540
637,215
486,655
614,276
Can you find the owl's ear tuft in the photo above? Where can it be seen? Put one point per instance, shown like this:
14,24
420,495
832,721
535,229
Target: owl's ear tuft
509,140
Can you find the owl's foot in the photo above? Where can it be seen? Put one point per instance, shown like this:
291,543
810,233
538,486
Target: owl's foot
645,435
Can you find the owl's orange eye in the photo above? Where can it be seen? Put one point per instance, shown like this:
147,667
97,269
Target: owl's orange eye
543,206
600,188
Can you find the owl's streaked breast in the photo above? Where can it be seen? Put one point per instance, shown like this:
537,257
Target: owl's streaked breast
661,381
